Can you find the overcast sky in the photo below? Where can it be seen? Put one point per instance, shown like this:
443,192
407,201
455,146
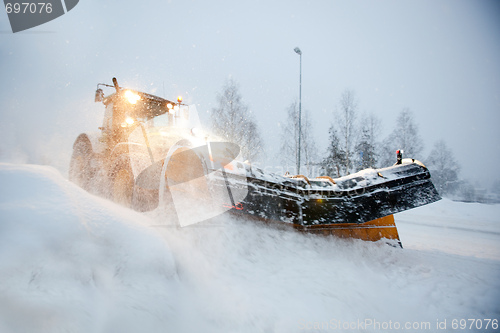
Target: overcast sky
439,58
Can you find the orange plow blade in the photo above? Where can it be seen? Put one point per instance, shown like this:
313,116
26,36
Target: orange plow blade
374,230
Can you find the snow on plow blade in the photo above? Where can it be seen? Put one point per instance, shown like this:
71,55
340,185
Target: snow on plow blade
359,205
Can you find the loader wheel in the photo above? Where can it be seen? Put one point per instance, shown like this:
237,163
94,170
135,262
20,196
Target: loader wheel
81,171
122,182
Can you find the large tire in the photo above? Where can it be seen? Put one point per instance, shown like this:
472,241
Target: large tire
122,181
81,170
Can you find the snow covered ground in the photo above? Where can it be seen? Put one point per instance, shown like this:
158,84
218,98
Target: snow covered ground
466,229
73,262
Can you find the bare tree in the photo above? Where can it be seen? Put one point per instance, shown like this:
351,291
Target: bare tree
309,147
290,140
347,127
444,168
404,136
290,137
233,121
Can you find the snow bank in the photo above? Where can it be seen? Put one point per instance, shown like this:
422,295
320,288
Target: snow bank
73,262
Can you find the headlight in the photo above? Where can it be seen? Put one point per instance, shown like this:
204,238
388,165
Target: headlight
128,121
132,97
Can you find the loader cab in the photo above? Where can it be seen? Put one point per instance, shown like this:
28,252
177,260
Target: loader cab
128,104
126,109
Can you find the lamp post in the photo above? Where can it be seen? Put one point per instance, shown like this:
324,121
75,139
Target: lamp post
299,52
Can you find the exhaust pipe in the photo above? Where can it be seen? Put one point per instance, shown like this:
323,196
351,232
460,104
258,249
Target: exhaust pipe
115,83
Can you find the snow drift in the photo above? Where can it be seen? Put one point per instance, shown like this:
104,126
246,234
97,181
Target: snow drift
73,262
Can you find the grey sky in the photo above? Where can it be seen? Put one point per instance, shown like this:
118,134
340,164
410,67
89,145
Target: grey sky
439,58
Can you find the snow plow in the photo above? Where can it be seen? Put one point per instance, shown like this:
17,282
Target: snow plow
151,154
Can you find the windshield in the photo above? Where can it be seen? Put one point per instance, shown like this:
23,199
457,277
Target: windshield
151,140
183,117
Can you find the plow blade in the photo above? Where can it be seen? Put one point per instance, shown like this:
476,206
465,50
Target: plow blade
356,206
198,187
381,228
356,199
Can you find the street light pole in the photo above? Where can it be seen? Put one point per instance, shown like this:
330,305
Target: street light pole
299,52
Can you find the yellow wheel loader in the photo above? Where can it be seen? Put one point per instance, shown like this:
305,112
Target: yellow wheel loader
151,153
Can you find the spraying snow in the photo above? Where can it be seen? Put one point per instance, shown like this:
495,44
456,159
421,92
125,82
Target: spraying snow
74,262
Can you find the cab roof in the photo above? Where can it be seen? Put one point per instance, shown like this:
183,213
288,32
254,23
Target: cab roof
147,106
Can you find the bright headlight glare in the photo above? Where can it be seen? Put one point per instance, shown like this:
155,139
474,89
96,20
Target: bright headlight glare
132,97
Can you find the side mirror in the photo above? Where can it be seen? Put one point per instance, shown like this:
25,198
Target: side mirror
99,95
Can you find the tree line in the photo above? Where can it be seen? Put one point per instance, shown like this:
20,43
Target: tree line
355,141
